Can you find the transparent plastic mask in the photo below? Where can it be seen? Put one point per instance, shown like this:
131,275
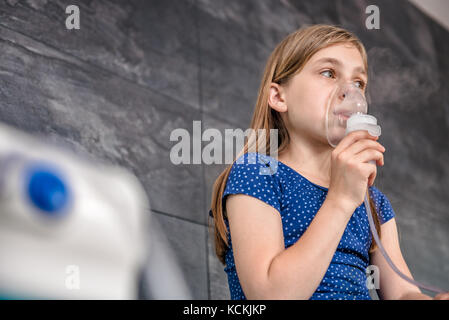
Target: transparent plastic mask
345,100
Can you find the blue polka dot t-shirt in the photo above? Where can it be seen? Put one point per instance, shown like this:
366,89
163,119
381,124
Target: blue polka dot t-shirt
297,200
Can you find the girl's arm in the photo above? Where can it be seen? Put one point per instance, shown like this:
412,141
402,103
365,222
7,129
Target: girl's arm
391,285
266,269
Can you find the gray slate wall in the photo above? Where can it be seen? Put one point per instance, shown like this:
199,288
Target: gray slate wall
136,70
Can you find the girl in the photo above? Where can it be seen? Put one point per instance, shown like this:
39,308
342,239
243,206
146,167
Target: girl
302,232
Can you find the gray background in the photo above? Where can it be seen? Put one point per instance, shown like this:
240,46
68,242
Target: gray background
136,70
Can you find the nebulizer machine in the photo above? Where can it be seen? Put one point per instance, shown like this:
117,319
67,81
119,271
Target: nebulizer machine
346,112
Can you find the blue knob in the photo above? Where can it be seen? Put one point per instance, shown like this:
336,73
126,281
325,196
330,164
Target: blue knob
47,190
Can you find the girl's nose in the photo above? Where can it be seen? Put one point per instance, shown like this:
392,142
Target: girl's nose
346,89
343,94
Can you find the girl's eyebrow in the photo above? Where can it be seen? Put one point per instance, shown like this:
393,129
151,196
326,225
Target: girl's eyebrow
339,64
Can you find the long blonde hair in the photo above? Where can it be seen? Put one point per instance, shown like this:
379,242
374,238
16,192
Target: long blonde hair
287,59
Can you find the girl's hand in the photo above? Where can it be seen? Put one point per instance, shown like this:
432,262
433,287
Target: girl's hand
351,172
442,296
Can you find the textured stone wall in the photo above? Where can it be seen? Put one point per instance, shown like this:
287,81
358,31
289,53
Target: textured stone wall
136,70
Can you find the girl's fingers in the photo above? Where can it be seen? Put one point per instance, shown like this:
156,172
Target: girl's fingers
368,155
363,144
371,172
351,138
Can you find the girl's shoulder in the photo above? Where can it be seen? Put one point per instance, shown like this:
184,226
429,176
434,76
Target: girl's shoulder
256,175
254,164
256,158
382,204
377,195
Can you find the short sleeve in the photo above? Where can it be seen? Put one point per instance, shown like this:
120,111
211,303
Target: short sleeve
383,205
248,176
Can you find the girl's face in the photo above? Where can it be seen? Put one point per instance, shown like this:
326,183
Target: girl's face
304,98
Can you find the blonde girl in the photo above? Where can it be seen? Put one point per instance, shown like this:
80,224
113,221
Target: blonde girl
302,232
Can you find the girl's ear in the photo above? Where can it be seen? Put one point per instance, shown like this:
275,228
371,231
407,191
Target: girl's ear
276,97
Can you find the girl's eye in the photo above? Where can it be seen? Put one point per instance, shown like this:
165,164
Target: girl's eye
331,74
328,73
361,84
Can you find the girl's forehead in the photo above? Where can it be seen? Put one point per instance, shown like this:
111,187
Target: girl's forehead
346,55
343,54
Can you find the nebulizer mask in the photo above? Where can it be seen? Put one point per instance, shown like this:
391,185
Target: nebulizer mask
347,111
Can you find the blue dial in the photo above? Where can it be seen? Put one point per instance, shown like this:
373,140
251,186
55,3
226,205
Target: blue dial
47,190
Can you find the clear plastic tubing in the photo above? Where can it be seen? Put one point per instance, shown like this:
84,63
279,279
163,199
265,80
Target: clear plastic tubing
367,122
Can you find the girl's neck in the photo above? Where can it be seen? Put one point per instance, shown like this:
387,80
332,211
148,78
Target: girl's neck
311,161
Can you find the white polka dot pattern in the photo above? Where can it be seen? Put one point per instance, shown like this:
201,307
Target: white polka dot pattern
298,200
